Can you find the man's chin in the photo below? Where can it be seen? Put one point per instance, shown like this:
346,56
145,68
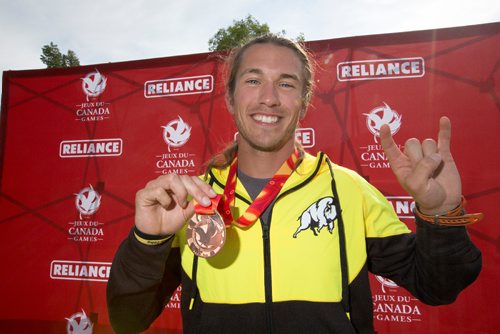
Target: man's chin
267,147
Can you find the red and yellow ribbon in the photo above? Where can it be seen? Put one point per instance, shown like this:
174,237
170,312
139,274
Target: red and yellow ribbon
262,201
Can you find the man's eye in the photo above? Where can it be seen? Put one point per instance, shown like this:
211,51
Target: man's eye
252,81
286,85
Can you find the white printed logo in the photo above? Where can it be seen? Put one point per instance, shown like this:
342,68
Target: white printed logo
380,116
403,206
320,214
80,270
202,84
381,69
176,133
94,84
305,136
87,201
91,148
386,283
79,323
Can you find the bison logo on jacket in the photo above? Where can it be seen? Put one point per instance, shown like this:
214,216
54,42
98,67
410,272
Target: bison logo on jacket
318,215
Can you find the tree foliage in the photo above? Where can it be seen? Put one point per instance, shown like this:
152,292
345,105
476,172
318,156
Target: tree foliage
235,34
240,31
53,57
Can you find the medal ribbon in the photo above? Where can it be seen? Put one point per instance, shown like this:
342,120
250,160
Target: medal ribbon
202,210
262,201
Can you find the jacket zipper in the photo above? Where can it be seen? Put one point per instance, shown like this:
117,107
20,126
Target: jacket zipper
267,276
266,226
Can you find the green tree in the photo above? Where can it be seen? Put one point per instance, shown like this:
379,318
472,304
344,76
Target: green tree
233,35
52,57
241,30
71,59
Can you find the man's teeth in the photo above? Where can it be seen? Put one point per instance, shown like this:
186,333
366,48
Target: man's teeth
266,119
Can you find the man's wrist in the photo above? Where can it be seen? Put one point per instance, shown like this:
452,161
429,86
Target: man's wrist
454,217
150,239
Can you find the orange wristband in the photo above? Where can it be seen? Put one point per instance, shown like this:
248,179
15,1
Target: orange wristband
455,217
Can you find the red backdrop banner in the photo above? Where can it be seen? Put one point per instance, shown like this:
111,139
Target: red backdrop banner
77,143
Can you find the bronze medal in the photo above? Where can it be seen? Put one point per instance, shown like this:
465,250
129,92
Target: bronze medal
206,234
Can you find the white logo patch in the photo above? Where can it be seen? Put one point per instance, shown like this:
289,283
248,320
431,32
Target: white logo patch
318,215
176,133
380,116
87,201
94,84
79,323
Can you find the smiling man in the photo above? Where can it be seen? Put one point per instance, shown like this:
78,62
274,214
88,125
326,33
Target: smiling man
282,241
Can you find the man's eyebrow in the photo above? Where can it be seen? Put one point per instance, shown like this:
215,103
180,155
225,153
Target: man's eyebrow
258,71
251,70
289,76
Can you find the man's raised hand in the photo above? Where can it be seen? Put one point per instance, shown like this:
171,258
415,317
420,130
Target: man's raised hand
426,170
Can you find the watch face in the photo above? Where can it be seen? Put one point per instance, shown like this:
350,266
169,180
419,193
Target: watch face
206,234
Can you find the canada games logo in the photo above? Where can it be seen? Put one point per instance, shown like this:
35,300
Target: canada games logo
382,115
176,133
86,228
94,84
385,282
394,304
79,323
87,201
175,300
373,155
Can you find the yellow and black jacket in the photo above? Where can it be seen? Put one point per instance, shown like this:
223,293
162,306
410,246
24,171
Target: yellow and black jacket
305,270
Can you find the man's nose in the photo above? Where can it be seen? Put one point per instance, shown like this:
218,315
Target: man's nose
269,95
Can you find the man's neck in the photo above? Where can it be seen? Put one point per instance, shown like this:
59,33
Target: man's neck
260,164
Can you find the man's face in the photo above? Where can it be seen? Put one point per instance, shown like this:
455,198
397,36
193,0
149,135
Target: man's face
267,101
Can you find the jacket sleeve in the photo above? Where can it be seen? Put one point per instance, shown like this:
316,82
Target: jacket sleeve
435,264
141,282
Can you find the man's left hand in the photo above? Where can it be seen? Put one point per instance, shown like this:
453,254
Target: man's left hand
426,170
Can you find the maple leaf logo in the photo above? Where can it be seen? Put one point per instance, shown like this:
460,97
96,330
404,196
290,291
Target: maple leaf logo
380,116
94,84
79,323
87,201
386,282
176,133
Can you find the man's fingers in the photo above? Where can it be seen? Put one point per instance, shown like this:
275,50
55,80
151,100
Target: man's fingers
444,136
429,147
178,188
206,188
196,188
152,196
413,150
391,150
418,181
188,211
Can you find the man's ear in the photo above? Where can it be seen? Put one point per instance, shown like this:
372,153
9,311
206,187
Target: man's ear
229,104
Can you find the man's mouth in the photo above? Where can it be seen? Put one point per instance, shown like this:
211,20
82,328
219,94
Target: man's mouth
267,119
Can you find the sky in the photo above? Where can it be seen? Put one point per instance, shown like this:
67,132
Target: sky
102,31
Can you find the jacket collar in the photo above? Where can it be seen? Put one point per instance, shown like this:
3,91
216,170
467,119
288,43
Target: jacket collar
306,170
